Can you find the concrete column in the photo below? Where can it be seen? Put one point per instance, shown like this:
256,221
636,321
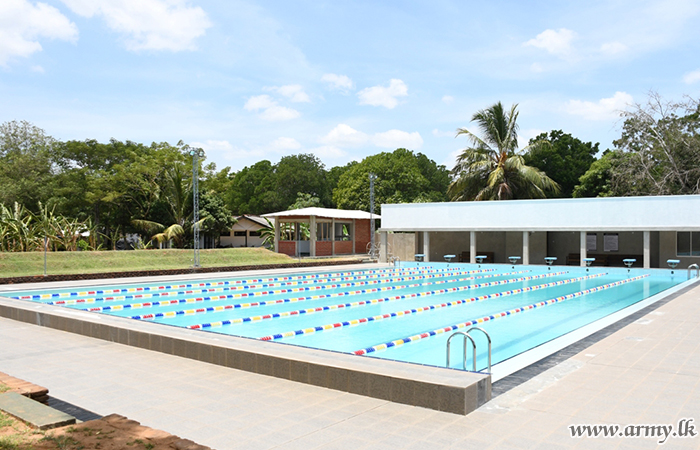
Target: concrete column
277,234
583,249
333,237
426,245
526,247
383,247
647,249
472,247
353,236
312,235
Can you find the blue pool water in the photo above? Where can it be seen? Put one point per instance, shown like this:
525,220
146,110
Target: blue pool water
404,313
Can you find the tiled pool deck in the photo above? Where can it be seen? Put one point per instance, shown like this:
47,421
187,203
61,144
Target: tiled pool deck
645,373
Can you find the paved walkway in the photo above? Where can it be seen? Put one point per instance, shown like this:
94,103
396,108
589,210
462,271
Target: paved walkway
646,373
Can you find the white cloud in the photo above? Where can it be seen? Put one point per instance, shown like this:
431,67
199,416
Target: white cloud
22,24
603,109
692,77
293,92
270,109
524,136
339,82
448,99
555,42
285,143
384,96
398,139
148,24
279,113
344,136
613,48
438,133
213,146
258,102
328,151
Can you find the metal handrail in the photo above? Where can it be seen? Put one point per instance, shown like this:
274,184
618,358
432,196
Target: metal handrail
488,338
464,361
697,270
394,260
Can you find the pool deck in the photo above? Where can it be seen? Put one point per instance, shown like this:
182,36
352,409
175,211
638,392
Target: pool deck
645,373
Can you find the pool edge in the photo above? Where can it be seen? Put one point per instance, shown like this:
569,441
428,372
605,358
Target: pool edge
441,389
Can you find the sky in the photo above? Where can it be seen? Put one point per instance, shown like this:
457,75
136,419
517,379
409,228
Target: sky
248,81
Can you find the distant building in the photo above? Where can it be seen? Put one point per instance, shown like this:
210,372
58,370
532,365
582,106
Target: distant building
649,229
322,231
245,232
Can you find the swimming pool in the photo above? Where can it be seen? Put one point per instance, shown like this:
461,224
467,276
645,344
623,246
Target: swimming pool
404,313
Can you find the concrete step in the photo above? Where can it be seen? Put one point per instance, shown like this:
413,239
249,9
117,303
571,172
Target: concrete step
33,413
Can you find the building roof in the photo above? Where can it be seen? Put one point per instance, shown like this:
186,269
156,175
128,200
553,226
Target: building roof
324,212
249,222
651,213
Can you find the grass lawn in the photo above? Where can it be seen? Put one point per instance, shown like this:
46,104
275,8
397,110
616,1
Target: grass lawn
15,264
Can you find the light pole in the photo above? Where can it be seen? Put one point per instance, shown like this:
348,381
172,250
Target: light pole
196,153
372,177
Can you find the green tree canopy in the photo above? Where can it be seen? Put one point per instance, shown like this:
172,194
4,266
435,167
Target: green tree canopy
252,190
402,177
26,173
565,160
661,143
492,168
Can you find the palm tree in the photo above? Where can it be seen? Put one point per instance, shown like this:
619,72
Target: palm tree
493,168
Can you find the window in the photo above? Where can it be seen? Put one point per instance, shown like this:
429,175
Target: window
254,233
323,231
226,233
343,232
688,243
239,233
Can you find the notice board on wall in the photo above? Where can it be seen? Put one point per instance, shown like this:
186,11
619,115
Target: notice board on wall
610,242
591,242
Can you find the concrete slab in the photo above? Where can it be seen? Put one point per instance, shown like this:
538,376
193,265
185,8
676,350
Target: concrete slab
32,412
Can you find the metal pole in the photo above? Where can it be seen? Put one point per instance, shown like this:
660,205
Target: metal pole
372,177
196,154
46,244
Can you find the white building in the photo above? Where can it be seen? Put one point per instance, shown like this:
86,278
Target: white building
648,229
245,232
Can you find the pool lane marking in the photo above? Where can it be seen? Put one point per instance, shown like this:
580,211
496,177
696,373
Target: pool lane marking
326,327
510,312
342,276
375,301
330,307
171,314
215,283
250,294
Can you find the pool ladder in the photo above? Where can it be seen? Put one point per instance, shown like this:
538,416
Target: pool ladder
468,336
697,270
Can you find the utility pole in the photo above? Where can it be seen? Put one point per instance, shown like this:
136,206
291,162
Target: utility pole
196,154
372,251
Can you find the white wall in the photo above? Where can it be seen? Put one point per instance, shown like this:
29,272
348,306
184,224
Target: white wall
595,214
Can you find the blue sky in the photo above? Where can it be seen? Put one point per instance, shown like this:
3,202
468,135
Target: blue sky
260,80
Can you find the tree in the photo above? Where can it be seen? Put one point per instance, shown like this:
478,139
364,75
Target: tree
661,146
25,164
596,181
305,201
492,169
402,177
564,160
300,174
252,190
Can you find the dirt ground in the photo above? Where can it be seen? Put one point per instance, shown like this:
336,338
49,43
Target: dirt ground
113,432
